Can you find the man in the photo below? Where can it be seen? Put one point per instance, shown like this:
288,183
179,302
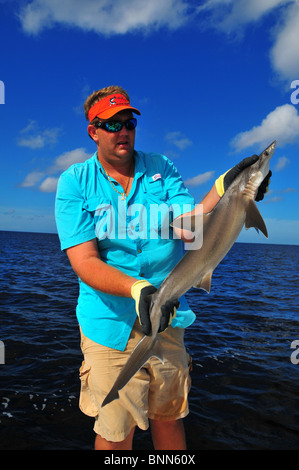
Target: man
120,259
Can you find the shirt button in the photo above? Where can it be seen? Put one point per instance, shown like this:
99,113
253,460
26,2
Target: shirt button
139,251
142,275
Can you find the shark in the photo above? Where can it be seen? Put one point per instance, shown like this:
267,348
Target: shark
221,228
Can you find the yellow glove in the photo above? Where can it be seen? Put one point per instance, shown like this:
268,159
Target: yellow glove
141,292
223,182
219,183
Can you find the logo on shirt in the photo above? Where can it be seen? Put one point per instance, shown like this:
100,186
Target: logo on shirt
156,177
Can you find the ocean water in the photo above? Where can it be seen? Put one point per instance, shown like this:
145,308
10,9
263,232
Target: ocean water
245,376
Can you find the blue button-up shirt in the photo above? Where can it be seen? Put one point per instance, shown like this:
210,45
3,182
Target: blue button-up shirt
133,235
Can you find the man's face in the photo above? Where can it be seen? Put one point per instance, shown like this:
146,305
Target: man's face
115,146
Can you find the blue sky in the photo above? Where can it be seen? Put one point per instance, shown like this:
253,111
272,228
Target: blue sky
215,80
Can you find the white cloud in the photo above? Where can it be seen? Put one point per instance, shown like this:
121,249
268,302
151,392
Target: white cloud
66,159
270,200
37,138
277,196
281,124
227,16
199,179
289,190
49,185
32,125
49,177
233,16
172,155
178,139
32,179
103,16
32,142
285,52
282,163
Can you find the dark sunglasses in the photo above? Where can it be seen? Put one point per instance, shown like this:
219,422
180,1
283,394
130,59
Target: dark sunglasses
116,126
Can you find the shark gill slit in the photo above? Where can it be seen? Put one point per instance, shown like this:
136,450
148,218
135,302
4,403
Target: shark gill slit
250,190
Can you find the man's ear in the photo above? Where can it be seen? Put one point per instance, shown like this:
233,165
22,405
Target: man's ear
92,132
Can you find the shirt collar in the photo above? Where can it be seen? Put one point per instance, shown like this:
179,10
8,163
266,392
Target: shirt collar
99,165
140,168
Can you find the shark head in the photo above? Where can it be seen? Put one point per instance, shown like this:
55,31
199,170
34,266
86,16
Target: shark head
251,177
259,170
244,186
261,167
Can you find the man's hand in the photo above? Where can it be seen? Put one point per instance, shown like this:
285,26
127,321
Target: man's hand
142,293
264,187
168,313
224,181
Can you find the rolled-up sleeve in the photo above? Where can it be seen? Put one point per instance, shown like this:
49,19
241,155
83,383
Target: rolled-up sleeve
75,224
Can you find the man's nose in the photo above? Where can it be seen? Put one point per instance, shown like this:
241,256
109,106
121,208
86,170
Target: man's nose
124,131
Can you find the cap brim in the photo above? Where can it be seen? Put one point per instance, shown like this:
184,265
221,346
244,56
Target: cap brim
116,109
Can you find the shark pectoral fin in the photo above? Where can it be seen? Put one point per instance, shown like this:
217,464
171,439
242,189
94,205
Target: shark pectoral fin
187,222
254,218
205,282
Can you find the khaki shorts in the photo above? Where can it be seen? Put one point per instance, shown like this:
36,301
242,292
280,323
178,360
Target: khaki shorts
157,391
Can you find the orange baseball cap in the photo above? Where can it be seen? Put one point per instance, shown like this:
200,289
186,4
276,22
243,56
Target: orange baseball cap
110,105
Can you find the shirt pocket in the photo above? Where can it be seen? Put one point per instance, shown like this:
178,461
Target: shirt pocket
156,190
103,214
87,402
157,202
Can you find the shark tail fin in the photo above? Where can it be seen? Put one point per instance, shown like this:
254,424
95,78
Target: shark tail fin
254,218
143,351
